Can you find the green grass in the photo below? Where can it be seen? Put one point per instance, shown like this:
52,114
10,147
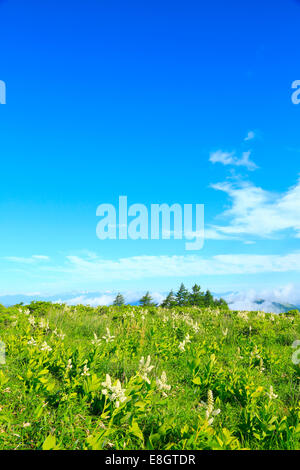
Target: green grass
219,365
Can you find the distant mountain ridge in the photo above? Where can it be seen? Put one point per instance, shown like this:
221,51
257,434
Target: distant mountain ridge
280,306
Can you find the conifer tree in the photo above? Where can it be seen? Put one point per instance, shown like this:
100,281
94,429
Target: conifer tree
182,296
147,301
170,300
119,300
196,297
208,299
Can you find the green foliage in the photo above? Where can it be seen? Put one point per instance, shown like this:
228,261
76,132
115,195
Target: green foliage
148,377
119,300
195,298
2,308
170,300
293,313
147,301
182,296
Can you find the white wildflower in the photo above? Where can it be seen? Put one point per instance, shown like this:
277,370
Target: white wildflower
85,371
210,412
145,368
31,320
243,315
96,341
44,325
271,393
182,345
108,338
261,315
46,347
162,383
32,341
114,393
59,335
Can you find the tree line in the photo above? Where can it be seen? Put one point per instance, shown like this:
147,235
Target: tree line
182,298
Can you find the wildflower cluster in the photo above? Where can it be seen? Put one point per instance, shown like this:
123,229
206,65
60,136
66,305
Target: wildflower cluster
145,368
183,343
114,392
162,384
210,412
108,338
130,387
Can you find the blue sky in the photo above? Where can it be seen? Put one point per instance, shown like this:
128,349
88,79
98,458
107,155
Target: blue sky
160,101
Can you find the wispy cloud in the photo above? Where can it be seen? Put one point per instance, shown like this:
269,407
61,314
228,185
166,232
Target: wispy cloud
28,260
231,159
41,257
142,267
250,136
75,273
257,212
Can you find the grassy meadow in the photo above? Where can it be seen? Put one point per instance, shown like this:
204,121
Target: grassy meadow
148,378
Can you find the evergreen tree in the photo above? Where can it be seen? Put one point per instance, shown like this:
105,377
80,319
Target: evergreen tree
208,299
119,300
170,300
196,297
147,301
182,296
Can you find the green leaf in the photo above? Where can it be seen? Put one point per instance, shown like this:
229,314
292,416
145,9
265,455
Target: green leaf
196,381
50,443
136,431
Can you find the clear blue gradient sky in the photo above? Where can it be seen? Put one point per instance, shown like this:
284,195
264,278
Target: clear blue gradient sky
159,101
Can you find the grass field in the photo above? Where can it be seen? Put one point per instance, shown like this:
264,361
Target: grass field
148,378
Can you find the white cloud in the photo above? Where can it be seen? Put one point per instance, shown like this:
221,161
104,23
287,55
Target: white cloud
213,234
246,300
83,272
108,298
222,157
30,260
231,159
257,212
104,299
157,297
97,270
250,136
